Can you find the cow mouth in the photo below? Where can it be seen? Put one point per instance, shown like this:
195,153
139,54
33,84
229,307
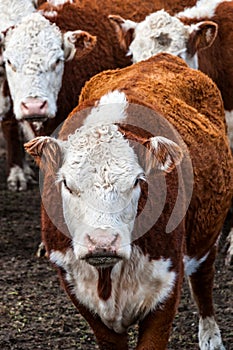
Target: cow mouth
102,260
36,118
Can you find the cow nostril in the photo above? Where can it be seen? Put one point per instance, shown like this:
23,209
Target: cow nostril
24,105
43,105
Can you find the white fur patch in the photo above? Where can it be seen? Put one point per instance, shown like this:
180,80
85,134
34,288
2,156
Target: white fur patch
209,335
191,265
202,9
138,286
16,179
229,121
12,11
229,255
111,108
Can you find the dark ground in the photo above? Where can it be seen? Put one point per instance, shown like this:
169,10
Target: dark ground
35,312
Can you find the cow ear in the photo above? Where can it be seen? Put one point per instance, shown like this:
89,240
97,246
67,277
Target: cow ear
46,151
202,36
77,43
124,30
162,154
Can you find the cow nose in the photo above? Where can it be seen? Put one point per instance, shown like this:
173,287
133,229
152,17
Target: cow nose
34,106
102,242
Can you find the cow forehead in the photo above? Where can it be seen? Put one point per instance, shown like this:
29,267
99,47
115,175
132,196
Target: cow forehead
34,34
158,22
12,11
101,155
159,32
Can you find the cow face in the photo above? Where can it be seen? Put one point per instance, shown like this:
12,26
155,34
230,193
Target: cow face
34,56
100,181
160,32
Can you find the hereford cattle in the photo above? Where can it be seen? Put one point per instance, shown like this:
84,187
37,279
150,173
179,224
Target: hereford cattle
135,192
201,35
86,15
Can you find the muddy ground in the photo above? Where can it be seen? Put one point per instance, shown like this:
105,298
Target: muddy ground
35,312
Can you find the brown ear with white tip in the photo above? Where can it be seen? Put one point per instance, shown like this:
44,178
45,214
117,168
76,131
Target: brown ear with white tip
163,154
124,30
78,43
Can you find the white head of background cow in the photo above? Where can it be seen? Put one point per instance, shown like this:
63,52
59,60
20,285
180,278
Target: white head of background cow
34,54
99,174
160,32
12,12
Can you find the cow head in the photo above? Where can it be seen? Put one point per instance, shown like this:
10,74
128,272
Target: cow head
160,32
34,54
100,179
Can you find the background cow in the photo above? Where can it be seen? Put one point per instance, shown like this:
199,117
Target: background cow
115,153
201,35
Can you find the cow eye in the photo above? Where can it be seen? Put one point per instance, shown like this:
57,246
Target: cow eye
11,65
138,179
55,64
66,186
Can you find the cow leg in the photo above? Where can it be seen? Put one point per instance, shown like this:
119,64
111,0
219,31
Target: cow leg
106,338
16,179
202,289
18,170
154,330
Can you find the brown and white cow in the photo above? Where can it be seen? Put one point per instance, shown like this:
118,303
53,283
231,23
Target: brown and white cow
136,190
202,35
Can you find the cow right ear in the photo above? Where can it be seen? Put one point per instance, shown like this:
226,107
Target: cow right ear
202,36
77,43
162,154
124,30
46,151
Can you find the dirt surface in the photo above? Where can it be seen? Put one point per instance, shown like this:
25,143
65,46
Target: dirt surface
36,313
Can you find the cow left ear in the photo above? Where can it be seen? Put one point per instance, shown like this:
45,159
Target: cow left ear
124,30
46,151
202,36
77,43
162,154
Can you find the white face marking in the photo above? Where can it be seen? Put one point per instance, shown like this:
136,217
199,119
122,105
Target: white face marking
209,334
202,9
34,60
100,170
229,121
191,265
159,32
138,286
12,12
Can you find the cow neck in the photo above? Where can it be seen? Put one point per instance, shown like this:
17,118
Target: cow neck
104,283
